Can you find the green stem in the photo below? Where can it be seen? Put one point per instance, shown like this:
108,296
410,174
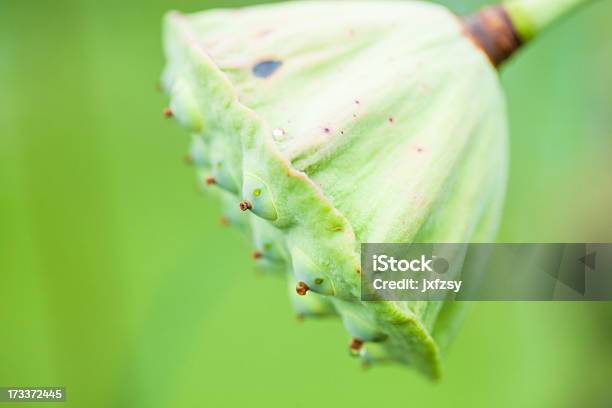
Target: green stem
530,17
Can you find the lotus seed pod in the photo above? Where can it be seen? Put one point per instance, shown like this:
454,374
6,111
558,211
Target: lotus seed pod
184,106
257,193
312,305
345,122
373,353
204,179
269,242
231,214
359,322
309,275
197,152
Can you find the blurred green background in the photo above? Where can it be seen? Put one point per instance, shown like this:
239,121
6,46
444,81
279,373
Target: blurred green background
117,281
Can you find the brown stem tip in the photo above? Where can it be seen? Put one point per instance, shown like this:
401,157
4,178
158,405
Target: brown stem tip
245,205
355,345
167,112
493,32
302,288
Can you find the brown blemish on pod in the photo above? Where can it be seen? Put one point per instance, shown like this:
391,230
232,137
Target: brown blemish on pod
167,112
256,255
224,221
245,205
301,288
210,181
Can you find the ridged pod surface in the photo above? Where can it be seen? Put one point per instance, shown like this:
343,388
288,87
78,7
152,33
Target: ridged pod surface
324,125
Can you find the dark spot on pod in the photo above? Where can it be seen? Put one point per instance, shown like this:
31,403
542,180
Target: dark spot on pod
419,149
301,288
245,205
357,102
266,68
210,181
256,255
355,345
358,270
167,112
391,119
318,281
327,130
299,317
354,115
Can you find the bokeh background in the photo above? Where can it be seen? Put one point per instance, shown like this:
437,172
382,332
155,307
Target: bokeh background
118,282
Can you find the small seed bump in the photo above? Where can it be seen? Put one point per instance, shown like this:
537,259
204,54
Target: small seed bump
301,288
278,134
245,205
257,192
318,281
167,112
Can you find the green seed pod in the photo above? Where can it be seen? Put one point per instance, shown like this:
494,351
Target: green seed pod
311,305
310,276
184,106
270,253
197,152
346,122
259,198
